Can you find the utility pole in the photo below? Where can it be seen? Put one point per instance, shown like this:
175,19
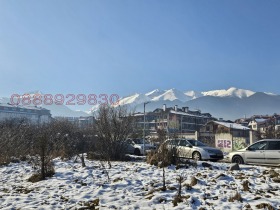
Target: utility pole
144,127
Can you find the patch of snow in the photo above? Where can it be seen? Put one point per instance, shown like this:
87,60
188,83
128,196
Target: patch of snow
232,125
154,93
231,92
271,94
260,120
193,94
134,99
135,185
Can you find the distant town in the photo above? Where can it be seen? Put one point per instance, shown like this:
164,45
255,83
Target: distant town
177,122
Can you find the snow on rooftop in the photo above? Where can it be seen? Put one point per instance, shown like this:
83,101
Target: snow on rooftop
260,120
232,125
184,113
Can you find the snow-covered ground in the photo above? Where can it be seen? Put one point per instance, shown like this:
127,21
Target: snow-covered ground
135,185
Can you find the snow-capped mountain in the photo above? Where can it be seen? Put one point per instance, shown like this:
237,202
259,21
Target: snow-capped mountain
154,93
193,94
229,103
171,95
175,94
231,92
134,99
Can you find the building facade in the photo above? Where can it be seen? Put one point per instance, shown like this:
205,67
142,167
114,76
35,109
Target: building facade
226,136
180,121
32,114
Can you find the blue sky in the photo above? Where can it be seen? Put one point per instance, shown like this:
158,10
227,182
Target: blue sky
124,46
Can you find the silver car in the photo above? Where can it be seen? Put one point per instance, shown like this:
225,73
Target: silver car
148,144
132,148
188,148
263,152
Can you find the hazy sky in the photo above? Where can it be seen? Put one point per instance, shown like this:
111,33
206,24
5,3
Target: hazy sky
125,46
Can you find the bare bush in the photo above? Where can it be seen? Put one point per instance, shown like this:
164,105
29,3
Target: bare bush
13,135
56,139
236,197
164,156
113,126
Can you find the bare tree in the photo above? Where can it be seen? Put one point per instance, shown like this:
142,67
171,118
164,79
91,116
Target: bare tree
12,139
113,126
161,135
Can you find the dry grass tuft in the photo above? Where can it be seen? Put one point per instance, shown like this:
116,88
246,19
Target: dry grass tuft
265,206
194,181
236,197
245,185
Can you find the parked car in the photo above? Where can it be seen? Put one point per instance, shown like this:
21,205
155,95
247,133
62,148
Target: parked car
148,144
188,148
132,148
266,151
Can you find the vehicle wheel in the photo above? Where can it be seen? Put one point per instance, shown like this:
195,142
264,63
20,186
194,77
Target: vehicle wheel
237,159
137,152
196,156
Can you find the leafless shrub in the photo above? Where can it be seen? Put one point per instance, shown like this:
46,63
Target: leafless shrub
235,197
245,185
164,156
265,206
13,135
180,179
113,126
105,170
194,181
56,139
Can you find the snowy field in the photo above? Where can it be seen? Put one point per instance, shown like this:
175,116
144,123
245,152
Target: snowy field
137,185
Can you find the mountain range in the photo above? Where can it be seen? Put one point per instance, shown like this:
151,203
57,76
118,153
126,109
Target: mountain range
229,103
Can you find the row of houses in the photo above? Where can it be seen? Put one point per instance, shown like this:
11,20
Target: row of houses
261,123
193,124
180,122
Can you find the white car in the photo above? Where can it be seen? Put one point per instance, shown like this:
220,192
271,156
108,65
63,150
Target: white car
132,148
148,144
188,148
263,152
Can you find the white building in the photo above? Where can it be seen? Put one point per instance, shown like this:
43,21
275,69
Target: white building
35,115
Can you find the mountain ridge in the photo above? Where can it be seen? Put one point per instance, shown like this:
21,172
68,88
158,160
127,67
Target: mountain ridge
229,103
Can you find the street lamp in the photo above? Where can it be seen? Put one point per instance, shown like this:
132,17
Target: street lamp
144,127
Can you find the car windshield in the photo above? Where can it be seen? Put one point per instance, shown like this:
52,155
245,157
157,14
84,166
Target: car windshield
197,143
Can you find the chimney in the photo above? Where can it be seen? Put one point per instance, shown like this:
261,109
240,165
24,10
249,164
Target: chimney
164,107
176,108
185,109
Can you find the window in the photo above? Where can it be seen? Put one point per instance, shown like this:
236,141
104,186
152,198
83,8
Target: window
173,142
196,143
258,146
184,143
273,145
